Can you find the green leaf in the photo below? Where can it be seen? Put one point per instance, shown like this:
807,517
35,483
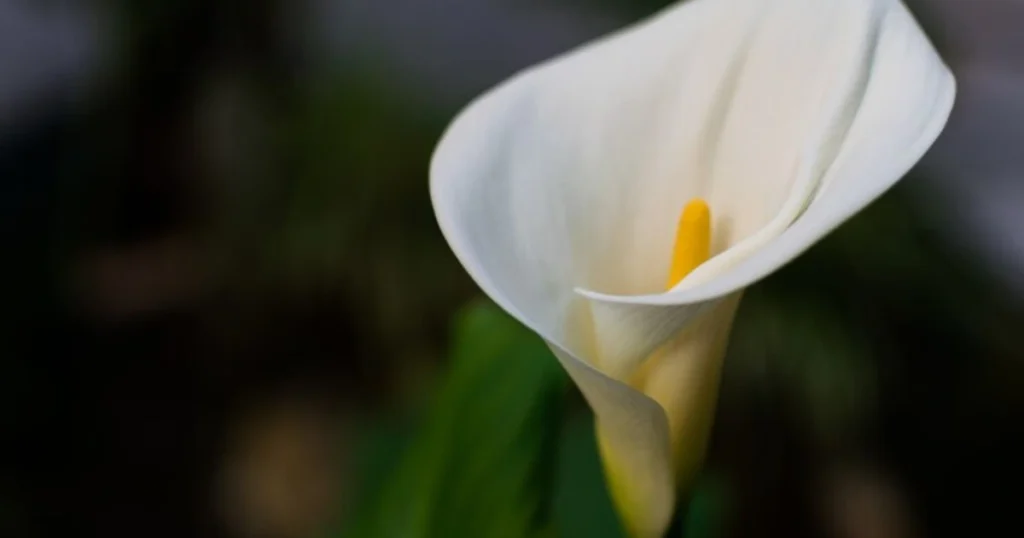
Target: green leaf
707,510
582,505
483,462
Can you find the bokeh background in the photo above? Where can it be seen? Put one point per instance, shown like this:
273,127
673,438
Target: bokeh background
227,311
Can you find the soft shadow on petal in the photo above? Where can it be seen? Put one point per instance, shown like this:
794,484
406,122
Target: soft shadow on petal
683,377
905,106
634,435
783,116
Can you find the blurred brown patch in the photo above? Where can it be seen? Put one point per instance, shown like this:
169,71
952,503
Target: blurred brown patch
116,283
861,502
282,473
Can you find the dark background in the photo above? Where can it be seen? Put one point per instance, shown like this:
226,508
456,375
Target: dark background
222,281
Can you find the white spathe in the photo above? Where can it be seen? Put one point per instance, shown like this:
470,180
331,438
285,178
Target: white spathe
560,189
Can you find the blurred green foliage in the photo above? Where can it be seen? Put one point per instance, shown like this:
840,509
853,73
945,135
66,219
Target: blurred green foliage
495,456
482,464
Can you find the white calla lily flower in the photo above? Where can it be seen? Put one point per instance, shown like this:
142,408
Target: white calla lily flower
560,191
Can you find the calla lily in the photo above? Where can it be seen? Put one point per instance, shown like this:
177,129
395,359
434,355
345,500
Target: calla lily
770,121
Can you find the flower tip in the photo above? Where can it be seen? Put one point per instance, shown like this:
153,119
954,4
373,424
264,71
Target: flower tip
693,241
696,210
